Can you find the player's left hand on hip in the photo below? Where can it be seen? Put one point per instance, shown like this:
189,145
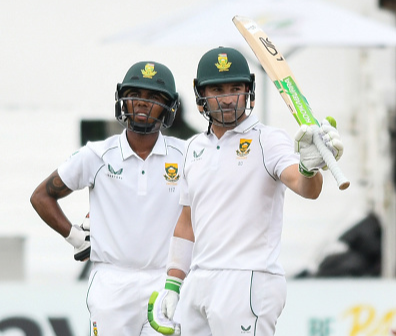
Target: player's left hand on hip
80,238
310,158
161,310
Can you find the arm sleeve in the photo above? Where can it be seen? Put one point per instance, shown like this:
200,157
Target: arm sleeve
180,254
279,152
80,169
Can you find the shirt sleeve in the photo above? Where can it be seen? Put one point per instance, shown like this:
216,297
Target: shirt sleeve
279,152
80,169
184,196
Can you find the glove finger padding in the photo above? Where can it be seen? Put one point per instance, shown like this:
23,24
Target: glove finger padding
310,158
169,304
80,238
332,140
161,309
303,138
83,252
86,224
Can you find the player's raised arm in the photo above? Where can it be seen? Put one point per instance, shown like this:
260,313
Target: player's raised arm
281,75
301,185
305,178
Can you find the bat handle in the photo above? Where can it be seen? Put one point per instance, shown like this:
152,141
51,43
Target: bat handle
342,181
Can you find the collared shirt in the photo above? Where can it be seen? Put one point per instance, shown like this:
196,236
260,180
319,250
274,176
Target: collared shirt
134,203
233,187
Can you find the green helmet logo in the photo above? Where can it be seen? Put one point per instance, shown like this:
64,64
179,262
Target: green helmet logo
223,64
149,71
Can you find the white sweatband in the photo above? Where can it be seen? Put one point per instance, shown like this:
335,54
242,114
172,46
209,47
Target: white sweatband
76,236
180,254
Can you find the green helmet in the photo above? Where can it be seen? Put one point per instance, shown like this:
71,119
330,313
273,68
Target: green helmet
222,65
150,76
218,66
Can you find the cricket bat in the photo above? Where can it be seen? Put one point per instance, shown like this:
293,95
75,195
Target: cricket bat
279,72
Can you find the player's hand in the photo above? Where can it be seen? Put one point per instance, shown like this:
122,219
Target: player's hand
80,238
310,158
331,138
162,306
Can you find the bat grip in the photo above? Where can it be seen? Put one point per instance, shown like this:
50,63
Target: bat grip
342,181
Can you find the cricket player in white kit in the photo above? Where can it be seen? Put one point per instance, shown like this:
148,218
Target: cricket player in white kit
133,181
227,238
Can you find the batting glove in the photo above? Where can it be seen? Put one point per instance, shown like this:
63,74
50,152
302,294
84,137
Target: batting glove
162,307
80,238
310,158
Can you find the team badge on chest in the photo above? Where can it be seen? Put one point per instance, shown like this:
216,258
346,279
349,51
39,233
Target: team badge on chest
244,147
171,172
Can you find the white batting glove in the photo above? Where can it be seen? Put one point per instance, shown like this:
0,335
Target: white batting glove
330,136
79,237
310,158
162,307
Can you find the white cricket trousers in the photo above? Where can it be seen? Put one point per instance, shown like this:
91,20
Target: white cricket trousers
231,303
117,300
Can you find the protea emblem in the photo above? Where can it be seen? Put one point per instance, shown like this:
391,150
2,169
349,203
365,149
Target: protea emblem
244,147
223,64
149,71
171,172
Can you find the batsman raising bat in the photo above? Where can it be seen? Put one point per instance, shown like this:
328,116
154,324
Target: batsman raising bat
279,72
223,258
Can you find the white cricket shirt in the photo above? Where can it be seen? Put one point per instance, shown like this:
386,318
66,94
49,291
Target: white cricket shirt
134,203
232,186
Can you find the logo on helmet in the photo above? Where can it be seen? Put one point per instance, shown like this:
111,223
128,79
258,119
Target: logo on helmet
149,71
223,64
